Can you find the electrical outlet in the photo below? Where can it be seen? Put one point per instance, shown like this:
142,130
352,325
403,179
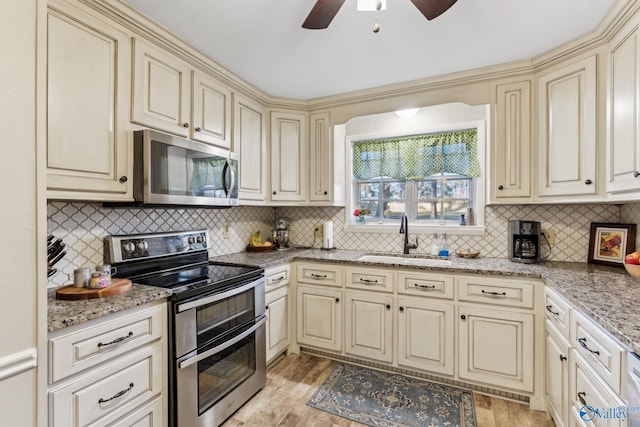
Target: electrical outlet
317,232
550,235
225,230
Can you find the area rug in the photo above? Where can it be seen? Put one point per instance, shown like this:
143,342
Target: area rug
378,398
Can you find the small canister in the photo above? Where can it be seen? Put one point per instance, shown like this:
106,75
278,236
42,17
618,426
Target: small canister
106,268
94,283
81,277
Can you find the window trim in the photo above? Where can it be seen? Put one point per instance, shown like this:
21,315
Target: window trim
376,227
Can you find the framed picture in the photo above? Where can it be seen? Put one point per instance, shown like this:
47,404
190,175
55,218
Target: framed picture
609,243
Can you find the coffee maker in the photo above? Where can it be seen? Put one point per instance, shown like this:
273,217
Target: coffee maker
280,235
524,241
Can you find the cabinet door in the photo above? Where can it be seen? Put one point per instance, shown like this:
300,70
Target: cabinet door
320,158
567,130
511,146
623,135
87,142
319,317
277,322
426,335
496,347
557,376
211,111
250,142
288,156
369,326
161,89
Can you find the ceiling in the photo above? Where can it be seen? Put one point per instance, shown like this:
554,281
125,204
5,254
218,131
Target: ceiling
263,41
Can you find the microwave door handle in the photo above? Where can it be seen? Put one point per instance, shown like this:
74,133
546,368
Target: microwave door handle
228,189
218,349
233,179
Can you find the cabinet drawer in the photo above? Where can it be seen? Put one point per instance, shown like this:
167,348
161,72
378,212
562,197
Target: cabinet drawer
320,274
72,352
277,276
149,415
585,389
106,394
426,285
497,291
602,352
370,279
557,311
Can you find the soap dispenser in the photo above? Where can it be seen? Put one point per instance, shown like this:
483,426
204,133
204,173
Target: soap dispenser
444,252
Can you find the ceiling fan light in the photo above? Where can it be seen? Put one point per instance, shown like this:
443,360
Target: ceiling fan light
370,5
409,112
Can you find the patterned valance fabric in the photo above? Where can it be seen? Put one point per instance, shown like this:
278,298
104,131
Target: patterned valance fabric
418,156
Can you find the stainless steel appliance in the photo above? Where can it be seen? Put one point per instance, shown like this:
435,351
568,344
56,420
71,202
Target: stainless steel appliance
217,349
169,170
280,235
524,241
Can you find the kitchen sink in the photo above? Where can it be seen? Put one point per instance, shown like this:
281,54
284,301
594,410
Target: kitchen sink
393,259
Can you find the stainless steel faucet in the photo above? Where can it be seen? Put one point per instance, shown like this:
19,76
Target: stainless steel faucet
404,229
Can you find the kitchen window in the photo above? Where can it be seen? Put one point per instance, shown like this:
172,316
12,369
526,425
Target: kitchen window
432,177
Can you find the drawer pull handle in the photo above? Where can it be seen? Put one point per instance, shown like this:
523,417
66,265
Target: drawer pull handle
583,343
549,307
581,396
318,276
277,279
117,395
424,287
368,281
495,294
563,358
116,341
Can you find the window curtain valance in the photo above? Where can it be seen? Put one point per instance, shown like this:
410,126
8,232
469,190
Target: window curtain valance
418,156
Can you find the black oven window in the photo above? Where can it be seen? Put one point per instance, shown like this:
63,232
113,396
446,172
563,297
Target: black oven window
220,317
221,373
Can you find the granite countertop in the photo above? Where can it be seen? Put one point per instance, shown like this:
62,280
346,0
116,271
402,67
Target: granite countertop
607,295
62,314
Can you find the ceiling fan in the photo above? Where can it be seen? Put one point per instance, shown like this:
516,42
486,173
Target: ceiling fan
324,11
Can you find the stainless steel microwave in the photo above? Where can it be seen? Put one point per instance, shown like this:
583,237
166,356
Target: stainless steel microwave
169,170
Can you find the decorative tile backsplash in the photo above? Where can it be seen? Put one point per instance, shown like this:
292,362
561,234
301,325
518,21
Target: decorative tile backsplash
630,214
83,226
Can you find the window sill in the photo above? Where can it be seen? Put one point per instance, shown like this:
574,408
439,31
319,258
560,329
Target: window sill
476,230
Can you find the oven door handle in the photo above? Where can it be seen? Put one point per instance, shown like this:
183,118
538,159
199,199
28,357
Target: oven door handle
217,297
217,349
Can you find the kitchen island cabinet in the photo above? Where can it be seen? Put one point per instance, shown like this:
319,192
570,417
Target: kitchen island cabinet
89,153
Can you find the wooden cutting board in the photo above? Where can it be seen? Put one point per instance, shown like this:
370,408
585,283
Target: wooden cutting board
71,293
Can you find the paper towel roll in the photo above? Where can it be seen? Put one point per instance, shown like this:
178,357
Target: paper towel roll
327,234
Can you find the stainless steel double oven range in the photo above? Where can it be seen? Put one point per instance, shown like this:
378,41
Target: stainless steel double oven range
217,357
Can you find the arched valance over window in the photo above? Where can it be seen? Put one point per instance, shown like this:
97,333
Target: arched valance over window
418,156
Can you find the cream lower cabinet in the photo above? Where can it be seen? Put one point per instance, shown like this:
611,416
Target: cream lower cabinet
110,371
319,317
496,347
426,335
277,310
88,147
369,325
557,376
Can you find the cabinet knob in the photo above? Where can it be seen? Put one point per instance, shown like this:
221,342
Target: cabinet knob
274,192
266,307
123,179
463,317
501,187
588,182
401,308
388,307
337,299
198,129
185,125
636,174
563,358
326,192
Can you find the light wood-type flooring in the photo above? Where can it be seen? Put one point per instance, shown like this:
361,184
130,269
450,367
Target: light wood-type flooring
293,380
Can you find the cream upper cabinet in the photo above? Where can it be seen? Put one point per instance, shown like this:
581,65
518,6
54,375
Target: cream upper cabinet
161,90
623,132
510,149
250,142
567,118
288,156
211,111
88,63
320,158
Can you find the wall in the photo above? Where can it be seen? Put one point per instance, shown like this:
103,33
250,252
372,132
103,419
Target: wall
83,226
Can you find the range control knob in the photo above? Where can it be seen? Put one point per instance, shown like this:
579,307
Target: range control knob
191,240
200,239
128,247
142,245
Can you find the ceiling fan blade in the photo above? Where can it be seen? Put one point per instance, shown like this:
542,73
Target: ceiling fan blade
433,8
322,14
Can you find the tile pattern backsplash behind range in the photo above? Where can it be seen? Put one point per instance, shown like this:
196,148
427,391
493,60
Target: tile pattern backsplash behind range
630,214
83,226
571,224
